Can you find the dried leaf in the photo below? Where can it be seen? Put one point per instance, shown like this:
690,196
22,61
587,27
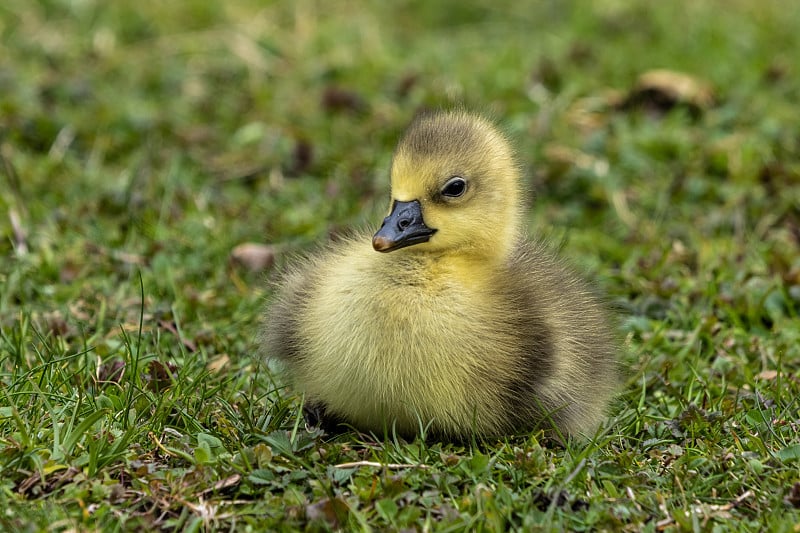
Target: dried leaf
230,481
69,272
172,328
662,90
111,372
253,256
20,235
333,511
35,485
159,375
218,363
340,99
56,324
793,498
547,75
768,375
302,157
406,84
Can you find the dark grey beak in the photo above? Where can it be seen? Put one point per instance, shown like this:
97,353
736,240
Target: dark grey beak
403,227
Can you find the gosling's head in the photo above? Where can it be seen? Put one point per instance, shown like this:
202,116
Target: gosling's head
455,189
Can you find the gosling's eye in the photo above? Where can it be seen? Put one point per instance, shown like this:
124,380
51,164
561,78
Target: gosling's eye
455,187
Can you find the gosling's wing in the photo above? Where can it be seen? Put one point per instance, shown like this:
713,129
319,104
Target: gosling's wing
292,289
575,310
580,358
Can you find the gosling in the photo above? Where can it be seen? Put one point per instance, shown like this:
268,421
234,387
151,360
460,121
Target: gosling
448,321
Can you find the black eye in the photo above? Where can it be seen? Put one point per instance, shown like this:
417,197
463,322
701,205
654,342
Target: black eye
455,187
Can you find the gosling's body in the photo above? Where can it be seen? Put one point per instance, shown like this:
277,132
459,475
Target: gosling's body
469,330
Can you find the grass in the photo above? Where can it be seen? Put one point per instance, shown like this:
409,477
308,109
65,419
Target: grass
141,144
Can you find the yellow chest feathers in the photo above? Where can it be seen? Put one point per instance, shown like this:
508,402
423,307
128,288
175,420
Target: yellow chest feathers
391,342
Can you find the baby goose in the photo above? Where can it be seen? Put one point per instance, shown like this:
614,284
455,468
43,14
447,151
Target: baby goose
460,324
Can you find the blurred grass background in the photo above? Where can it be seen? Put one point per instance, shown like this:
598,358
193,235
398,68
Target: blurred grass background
141,143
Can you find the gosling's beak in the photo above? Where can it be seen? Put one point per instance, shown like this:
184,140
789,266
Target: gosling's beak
403,227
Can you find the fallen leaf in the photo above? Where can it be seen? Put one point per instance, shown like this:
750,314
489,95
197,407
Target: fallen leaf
159,375
662,90
69,272
56,323
302,157
767,375
228,482
406,84
332,511
793,498
38,486
547,75
20,235
170,326
253,256
128,258
777,72
340,99
218,363
111,372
